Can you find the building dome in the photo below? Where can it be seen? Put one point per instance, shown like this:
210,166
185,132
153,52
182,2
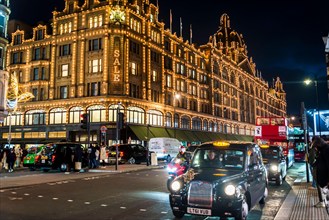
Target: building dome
227,38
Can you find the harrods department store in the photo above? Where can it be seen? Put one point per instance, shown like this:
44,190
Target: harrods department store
103,56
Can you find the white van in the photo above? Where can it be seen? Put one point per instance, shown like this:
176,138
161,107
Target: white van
165,148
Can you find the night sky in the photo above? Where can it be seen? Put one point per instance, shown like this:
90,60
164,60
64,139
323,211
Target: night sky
284,37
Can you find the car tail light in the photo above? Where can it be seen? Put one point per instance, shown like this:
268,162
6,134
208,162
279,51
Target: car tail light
53,157
121,154
36,158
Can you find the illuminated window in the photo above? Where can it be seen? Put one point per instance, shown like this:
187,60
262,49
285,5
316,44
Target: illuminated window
100,20
113,111
135,115
65,70
154,117
97,113
95,66
154,76
133,68
169,81
57,116
16,119
75,115
35,74
35,117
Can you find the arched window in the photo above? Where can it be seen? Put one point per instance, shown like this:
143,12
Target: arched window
154,117
16,119
135,115
35,117
97,113
196,124
185,122
113,112
215,127
205,125
57,116
75,115
168,119
211,125
176,120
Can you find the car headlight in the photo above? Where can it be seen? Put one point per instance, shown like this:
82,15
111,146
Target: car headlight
176,185
229,190
274,168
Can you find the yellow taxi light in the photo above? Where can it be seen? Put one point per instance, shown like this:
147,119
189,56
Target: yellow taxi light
264,146
221,144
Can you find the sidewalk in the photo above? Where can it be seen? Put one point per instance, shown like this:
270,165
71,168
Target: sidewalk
11,180
299,203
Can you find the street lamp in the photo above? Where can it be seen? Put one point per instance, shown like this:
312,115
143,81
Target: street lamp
308,82
176,96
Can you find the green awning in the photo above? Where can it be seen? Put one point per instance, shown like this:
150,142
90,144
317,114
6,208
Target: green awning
143,132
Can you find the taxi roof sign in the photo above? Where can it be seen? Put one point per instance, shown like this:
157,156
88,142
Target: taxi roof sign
221,144
264,146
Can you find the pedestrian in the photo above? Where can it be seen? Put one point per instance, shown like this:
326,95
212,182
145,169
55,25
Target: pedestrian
321,165
11,158
103,156
78,154
19,153
311,161
92,157
68,158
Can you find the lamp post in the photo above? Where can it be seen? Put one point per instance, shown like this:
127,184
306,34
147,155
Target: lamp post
307,82
176,96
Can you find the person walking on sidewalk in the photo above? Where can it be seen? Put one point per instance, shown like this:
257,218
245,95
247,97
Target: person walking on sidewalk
11,158
102,155
321,166
311,161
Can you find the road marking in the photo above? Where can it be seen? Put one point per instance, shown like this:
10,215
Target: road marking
26,194
103,205
122,207
70,200
142,210
40,196
55,198
13,192
87,203
164,212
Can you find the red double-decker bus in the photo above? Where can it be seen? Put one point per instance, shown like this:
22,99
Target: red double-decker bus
274,131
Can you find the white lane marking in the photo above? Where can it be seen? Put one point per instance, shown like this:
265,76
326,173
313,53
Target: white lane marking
87,203
55,198
40,196
164,212
70,200
103,205
2,190
26,194
142,210
13,192
122,207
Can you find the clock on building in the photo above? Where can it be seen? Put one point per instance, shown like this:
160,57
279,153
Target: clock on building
117,15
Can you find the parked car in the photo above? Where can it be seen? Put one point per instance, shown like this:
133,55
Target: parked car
229,185
60,156
275,162
129,153
32,156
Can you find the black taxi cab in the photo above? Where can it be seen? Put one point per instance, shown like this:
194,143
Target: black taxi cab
224,179
275,162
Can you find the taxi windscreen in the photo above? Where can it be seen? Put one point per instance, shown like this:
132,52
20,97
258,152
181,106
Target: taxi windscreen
218,159
270,153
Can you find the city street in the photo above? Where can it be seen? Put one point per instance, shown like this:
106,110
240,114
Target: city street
134,195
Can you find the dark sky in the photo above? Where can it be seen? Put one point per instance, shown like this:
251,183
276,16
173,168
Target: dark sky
284,37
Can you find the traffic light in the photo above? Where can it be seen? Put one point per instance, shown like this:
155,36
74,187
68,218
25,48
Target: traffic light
85,121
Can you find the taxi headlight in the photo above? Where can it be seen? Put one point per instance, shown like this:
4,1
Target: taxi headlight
274,168
176,185
229,190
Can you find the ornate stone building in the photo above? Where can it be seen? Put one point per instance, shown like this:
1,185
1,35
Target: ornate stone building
4,17
102,56
326,43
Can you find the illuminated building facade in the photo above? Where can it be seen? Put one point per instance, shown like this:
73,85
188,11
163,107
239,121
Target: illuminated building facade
103,56
4,17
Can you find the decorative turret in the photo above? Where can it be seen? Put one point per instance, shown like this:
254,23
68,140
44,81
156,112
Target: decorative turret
4,17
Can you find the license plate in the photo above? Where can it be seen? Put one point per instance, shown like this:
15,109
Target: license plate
43,161
198,211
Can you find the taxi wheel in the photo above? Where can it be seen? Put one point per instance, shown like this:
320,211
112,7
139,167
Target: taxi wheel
242,215
132,160
279,180
178,214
